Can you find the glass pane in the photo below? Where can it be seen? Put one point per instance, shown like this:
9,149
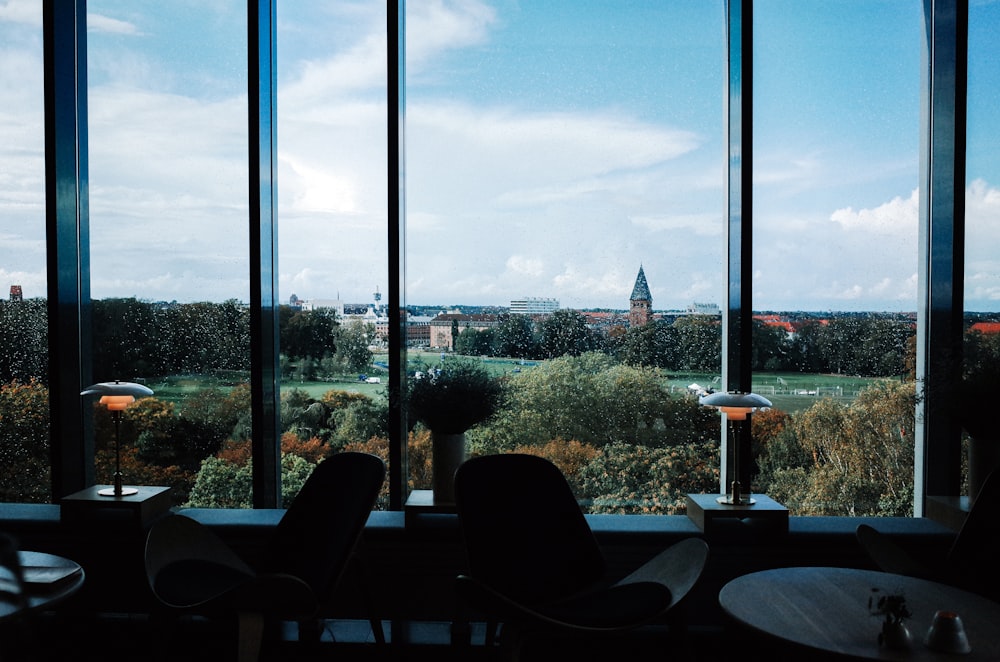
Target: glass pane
982,239
837,125
564,233
24,409
333,228
170,242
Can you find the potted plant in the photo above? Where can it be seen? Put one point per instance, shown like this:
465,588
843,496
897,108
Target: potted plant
448,400
893,610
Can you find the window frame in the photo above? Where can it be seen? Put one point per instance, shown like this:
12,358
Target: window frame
942,231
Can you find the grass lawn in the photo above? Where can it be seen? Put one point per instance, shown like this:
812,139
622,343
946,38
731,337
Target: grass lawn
790,392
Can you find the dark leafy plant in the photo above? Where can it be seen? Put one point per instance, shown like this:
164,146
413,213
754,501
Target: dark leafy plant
890,606
455,396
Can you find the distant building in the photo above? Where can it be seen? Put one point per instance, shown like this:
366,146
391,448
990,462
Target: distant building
534,306
443,325
640,304
324,304
987,328
15,293
418,330
703,309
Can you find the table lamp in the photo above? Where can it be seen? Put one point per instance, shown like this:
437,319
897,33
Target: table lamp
737,406
117,396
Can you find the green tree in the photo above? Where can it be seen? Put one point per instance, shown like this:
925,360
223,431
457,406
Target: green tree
310,334
24,339
515,337
352,342
806,351
224,484
359,421
699,343
769,347
594,400
565,332
471,342
651,345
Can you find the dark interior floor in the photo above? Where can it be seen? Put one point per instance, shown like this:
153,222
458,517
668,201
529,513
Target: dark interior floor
127,637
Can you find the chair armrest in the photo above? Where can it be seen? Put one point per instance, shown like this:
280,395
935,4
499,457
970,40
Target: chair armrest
887,555
677,568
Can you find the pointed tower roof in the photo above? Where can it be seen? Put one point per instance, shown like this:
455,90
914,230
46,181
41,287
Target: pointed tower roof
641,290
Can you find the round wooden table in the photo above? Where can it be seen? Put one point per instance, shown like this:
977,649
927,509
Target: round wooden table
827,609
48,579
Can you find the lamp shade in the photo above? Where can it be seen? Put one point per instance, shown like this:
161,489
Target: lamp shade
116,396
735,404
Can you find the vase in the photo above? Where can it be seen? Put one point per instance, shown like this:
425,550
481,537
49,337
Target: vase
984,457
447,453
895,636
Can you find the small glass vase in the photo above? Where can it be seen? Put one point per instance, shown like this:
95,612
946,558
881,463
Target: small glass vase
895,636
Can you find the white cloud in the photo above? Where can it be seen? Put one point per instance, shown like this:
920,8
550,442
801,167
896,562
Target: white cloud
705,224
101,23
982,266
320,82
896,217
578,284
316,189
436,26
25,12
525,266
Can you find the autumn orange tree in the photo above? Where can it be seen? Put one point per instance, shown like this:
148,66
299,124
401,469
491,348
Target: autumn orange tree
24,442
634,479
849,459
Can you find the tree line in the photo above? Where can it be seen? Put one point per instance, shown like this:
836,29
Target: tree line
864,345
140,339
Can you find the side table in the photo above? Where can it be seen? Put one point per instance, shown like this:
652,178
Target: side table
705,511
87,506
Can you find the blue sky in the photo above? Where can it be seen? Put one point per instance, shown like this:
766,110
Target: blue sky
552,148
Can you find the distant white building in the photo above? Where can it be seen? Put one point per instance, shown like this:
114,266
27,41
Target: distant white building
703,309
534,306
324,304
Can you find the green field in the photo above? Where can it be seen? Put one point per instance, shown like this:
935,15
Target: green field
790,392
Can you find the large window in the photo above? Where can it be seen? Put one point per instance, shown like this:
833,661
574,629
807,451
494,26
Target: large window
982,240
24,431
835,226
563,169
333,215
169,261
565,229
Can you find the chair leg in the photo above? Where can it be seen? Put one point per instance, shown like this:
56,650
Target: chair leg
250,634
511,642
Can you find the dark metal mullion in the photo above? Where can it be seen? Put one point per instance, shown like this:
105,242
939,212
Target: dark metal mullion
67,243
737,317
263,221
942,244
395,101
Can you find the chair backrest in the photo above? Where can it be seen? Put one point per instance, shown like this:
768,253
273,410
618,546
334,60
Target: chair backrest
525,533
972,557
317,534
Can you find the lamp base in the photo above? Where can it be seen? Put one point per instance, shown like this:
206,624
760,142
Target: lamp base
728,500
736,497
110,491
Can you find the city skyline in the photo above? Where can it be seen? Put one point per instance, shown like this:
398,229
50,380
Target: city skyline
551,149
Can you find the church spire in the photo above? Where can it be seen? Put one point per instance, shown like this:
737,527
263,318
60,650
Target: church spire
641,290
640,309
